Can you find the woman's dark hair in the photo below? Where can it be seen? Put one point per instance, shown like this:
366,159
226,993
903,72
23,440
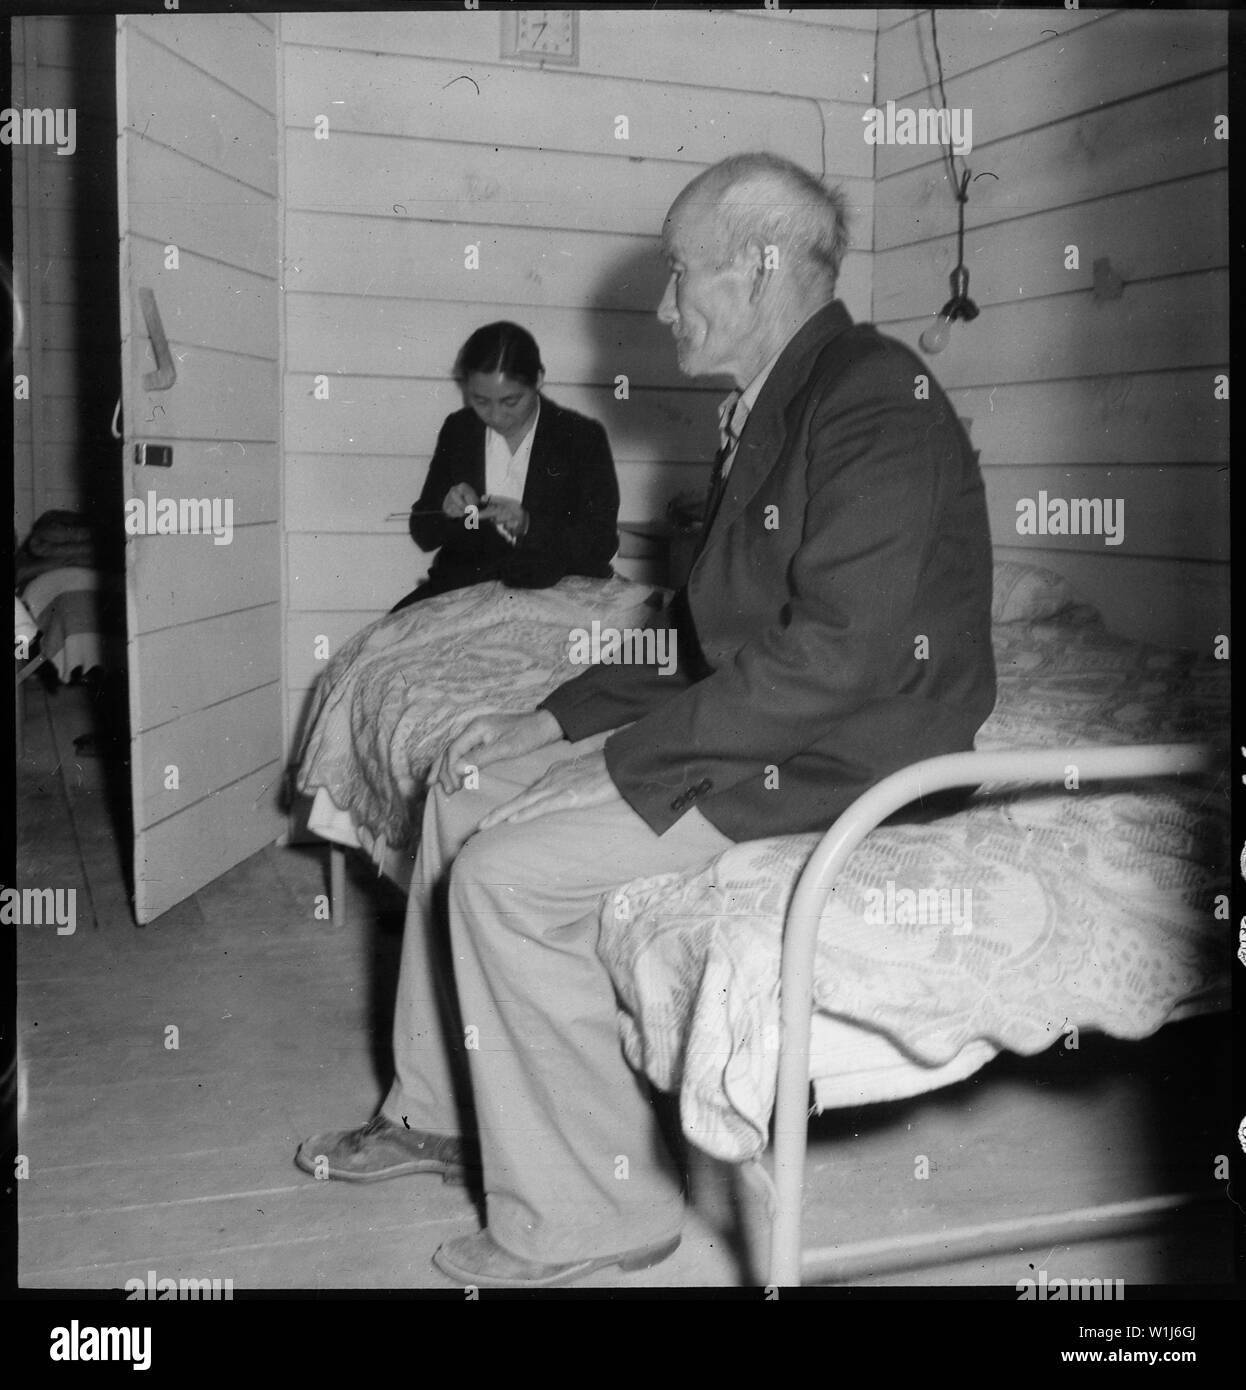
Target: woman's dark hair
500,347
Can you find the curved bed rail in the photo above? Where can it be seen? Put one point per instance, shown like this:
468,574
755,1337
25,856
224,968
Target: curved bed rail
1021,766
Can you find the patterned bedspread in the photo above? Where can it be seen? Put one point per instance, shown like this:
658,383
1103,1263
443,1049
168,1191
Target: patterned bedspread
1014,924
1019,922
399,690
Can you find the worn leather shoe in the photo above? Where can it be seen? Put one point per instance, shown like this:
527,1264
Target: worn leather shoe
381,1149
481,1261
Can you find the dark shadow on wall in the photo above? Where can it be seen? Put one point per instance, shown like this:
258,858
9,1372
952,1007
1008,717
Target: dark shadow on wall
676,423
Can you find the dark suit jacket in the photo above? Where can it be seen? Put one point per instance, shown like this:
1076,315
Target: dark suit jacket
571,496
853,525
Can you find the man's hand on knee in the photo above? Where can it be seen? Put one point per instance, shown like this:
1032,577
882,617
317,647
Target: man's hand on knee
571,785
492,738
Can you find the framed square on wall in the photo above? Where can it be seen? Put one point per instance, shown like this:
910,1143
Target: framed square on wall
542,36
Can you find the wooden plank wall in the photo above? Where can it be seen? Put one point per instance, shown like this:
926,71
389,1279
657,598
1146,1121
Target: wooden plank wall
1092,129
436,143
65,270
199,159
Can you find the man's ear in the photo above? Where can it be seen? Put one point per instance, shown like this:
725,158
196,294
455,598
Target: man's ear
760,263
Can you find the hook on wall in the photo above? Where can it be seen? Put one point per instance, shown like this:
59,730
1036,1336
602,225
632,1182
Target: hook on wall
166,372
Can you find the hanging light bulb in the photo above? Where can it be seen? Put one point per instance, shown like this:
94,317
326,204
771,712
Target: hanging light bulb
935,338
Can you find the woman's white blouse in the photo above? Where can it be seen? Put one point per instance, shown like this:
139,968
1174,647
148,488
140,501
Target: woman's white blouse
506,473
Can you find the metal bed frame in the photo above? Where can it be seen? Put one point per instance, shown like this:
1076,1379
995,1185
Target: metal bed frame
1017,767
337,884
788,1263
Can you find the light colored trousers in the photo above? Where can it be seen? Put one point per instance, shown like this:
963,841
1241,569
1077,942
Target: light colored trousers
523,1042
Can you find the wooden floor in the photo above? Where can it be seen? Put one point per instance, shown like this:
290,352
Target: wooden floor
179,1160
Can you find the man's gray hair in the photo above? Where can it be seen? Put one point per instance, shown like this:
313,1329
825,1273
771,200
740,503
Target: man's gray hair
765,198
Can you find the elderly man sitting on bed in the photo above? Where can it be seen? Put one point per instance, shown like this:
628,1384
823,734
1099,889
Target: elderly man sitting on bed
835,626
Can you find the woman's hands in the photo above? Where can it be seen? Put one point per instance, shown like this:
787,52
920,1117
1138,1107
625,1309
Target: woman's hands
458,499
505,513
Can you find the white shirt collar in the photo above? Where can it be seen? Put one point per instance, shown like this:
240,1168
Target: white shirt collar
750,393
507,473
734,409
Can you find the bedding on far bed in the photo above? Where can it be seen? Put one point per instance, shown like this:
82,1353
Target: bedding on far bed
397,692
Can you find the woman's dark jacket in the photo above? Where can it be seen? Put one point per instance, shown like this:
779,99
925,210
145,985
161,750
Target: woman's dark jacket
571,496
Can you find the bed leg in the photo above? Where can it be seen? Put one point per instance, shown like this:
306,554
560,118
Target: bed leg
337,884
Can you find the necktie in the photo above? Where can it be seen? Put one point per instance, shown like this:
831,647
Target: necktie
734,417
732,414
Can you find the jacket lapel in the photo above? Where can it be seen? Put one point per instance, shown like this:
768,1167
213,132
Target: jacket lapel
538,467
475,455
761,442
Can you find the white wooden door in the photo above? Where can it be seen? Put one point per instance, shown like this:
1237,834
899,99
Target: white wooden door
197,159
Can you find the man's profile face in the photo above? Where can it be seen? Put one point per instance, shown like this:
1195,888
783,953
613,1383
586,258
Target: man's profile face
706,303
